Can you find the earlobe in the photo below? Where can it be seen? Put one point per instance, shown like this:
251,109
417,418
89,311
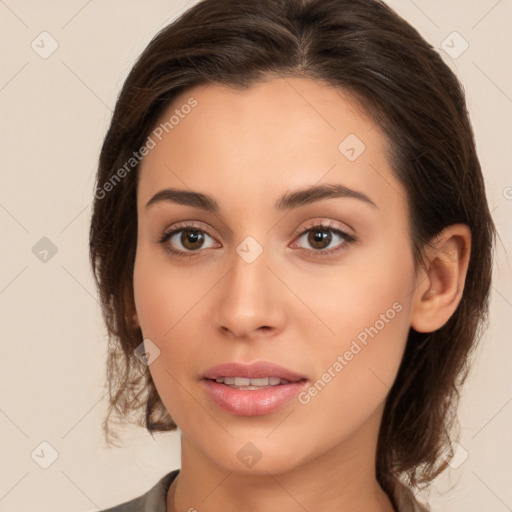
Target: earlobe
439,289
131,317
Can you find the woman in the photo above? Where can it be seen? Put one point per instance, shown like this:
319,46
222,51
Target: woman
293,249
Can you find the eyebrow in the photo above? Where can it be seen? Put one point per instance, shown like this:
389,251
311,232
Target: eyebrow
288,201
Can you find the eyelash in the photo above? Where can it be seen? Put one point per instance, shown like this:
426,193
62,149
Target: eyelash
348,239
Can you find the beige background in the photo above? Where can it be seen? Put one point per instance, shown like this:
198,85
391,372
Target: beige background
54,114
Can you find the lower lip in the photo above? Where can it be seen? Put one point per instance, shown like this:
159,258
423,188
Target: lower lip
252,402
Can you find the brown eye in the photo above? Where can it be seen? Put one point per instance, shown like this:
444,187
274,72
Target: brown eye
319,237
185,241
191,239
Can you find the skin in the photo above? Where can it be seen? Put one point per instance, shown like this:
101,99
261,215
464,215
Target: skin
296,309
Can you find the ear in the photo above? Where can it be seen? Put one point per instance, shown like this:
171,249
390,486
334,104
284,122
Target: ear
135,320
131,316
439,288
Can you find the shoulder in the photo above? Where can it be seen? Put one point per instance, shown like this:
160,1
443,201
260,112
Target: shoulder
154,500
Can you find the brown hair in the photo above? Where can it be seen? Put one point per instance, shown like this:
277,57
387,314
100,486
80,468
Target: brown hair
365,48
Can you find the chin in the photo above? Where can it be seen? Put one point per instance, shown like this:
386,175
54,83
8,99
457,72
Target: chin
257,457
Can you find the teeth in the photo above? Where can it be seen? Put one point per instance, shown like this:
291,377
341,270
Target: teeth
243,382
261,382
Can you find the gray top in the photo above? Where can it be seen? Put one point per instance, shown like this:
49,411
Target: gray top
155,500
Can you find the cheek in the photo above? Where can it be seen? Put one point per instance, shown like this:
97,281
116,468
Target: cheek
166,300
164,294
368,308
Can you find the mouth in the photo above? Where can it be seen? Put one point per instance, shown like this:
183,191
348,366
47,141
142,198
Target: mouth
250,384
252,389
252,374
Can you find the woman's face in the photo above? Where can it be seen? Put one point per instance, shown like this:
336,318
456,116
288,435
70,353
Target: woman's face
256,286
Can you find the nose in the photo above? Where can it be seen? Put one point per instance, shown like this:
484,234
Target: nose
249,301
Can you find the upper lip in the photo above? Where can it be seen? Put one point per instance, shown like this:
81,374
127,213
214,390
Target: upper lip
254,370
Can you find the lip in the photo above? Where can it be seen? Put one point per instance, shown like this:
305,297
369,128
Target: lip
256,402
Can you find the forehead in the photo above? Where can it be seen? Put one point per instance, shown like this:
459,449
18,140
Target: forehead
280,134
